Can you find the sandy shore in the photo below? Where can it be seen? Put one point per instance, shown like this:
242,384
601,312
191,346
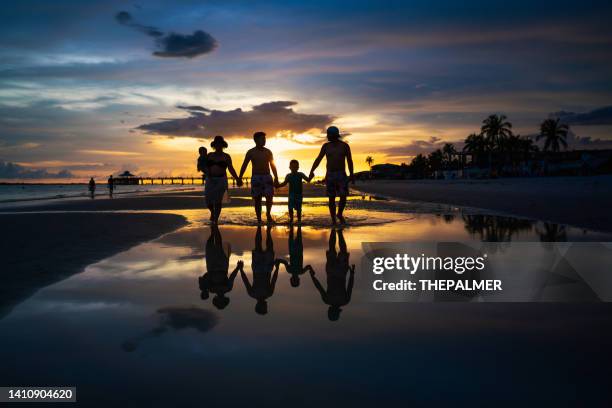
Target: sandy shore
41,249
580,201
179,200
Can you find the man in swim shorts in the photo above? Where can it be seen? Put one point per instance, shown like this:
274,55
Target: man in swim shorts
262,184
337,153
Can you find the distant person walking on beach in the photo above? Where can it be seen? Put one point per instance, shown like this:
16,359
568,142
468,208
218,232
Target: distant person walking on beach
111,185
92,187
217,163
262,184
337,153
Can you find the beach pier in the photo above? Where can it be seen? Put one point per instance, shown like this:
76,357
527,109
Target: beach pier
191,180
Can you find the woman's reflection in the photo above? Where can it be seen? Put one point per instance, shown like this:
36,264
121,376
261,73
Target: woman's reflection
264,281
216,279
295,267
338,292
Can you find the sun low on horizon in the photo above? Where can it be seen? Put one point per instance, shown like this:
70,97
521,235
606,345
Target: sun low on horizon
90,89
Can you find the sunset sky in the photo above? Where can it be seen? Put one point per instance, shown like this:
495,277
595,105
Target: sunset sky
94,88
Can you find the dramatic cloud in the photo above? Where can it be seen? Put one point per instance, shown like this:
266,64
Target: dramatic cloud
601,116
416,147
587,142
187,46
193,108
271,117
172,45
125,18
10,170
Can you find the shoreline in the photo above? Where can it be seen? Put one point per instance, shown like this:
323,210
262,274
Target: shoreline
42,249
582,202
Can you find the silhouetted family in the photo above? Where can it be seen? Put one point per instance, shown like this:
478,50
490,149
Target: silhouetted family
219,281
216,164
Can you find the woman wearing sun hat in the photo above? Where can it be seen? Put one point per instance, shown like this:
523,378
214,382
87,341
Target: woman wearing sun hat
217,162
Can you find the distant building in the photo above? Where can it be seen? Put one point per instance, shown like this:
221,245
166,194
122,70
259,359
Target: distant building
126,178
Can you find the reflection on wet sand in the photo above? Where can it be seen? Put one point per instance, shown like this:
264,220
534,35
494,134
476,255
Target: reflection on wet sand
492,228
338,292
265,269
295,266
140,300
216,279
175,318
262,264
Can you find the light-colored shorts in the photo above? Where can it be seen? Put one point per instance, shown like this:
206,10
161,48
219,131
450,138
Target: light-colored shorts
262,185
336,183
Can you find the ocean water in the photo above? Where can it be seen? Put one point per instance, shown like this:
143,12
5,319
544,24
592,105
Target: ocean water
33,192
156,323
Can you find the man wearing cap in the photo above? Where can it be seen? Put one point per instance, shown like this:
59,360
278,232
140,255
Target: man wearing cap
337,153
262,184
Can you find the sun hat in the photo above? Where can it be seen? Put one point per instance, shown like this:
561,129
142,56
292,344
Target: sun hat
218,140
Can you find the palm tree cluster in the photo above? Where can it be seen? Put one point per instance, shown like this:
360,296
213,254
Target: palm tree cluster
495,146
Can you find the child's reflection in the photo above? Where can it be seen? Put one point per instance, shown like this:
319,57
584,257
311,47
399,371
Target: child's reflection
295,267
262,264
338,292
216,279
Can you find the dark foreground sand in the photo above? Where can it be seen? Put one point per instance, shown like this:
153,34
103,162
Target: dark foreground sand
41,249
580,201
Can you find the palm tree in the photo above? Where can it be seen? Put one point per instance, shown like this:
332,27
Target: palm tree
369,160
554,134
419,165
527,146
449,151
495,128
475,145
435,160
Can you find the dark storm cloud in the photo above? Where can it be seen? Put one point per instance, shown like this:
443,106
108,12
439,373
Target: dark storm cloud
270,117
10,170
188,46
172,45
601,116
125,18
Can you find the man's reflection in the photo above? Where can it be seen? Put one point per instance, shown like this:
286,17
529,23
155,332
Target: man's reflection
216,279
262,265
295,267
338,292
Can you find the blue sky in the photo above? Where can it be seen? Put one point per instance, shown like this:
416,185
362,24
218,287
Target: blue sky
85,91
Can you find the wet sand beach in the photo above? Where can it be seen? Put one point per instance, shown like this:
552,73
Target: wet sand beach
124,318
579,201
42,249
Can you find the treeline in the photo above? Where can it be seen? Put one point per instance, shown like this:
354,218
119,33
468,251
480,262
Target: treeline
495,146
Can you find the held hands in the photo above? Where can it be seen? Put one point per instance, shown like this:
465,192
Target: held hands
239,182
240,264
